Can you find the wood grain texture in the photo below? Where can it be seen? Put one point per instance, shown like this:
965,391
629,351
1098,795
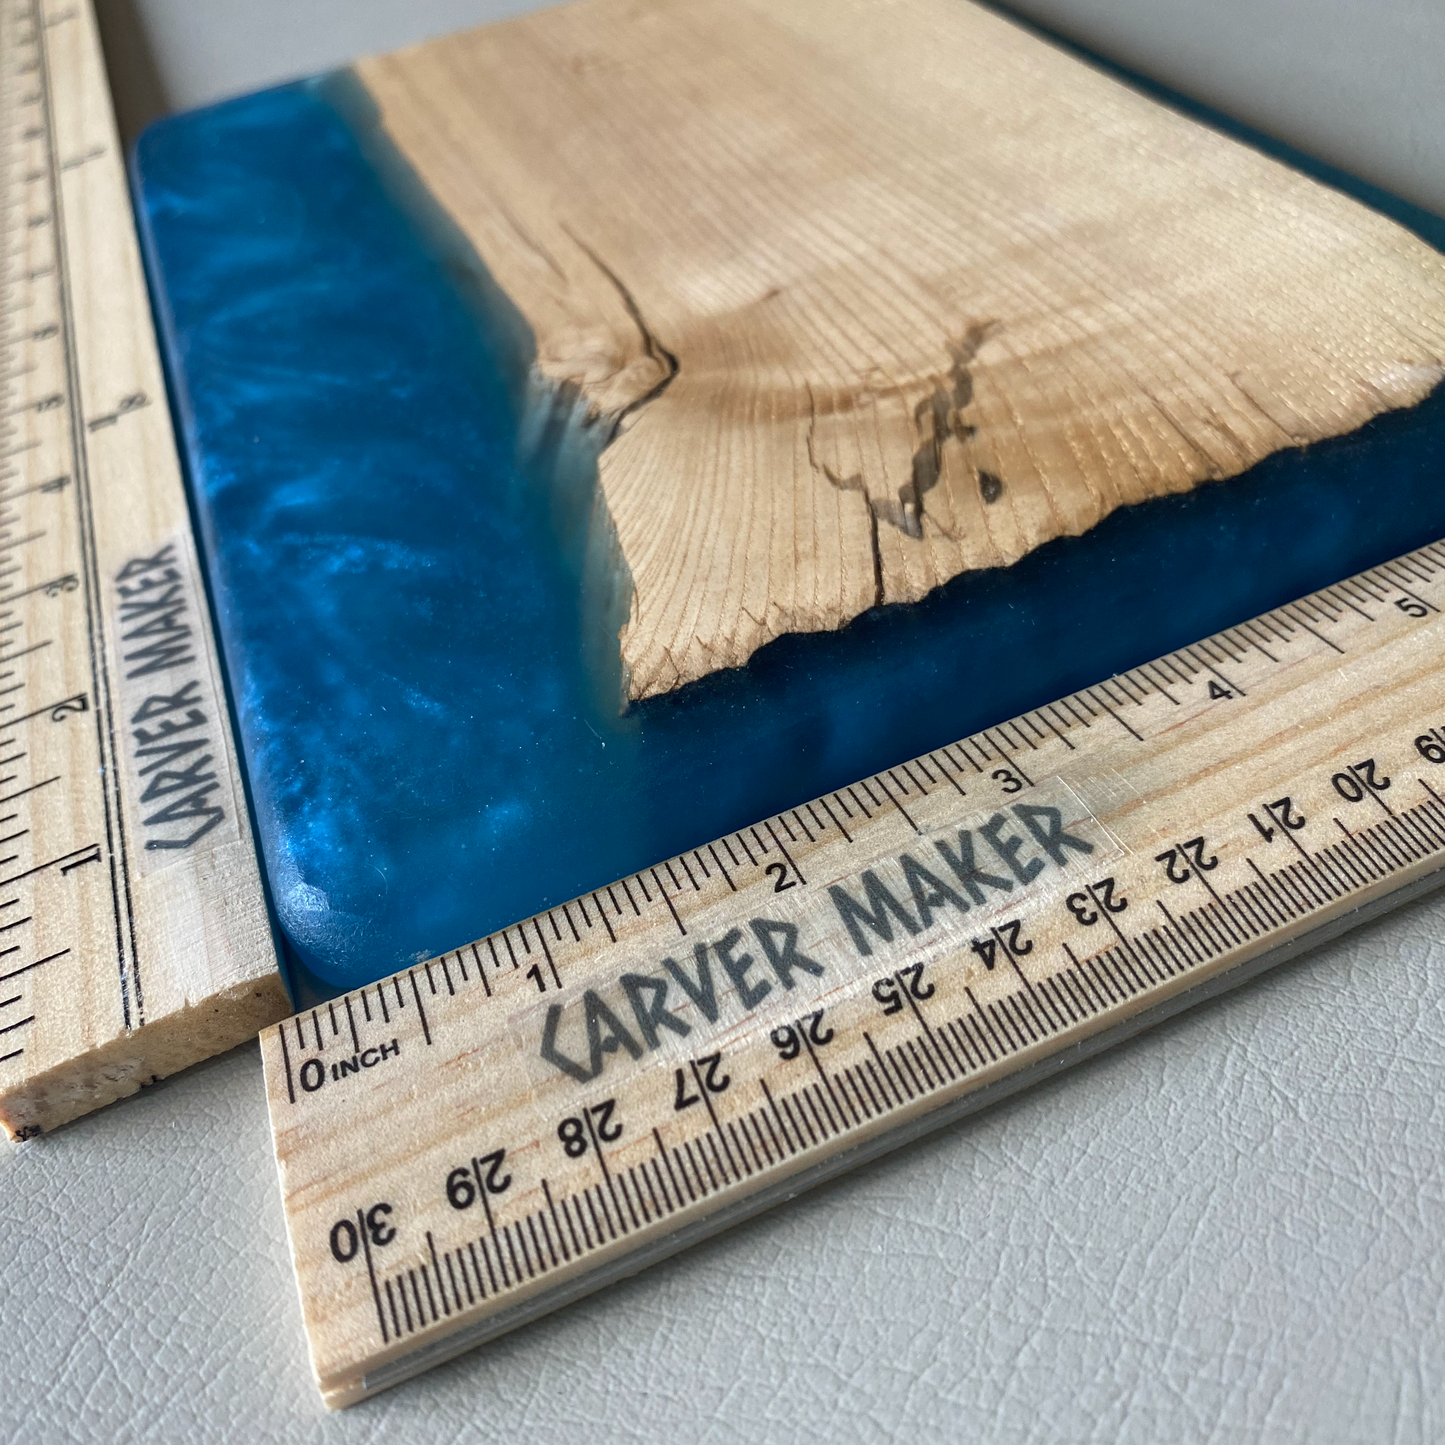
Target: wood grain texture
858,296
133,931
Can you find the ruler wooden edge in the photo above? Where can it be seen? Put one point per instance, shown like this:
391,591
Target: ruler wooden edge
495,1132
134,937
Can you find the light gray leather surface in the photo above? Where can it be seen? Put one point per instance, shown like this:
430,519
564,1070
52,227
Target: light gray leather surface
1228,1229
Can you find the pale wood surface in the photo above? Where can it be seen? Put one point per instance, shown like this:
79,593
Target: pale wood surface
1227,803
877,292
136,939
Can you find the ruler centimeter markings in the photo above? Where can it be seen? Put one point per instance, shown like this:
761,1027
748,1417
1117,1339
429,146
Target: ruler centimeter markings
133,933
498,1130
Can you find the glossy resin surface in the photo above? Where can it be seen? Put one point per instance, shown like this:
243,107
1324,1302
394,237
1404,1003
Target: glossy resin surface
428,713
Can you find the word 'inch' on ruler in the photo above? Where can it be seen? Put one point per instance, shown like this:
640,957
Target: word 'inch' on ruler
487,1135
133,932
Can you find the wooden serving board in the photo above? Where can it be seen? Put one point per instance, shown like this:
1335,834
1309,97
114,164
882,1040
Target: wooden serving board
935,290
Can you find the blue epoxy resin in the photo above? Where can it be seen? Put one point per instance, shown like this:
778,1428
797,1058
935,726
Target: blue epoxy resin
428,719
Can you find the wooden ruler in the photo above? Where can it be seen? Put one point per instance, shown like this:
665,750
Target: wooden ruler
490,1134
133,932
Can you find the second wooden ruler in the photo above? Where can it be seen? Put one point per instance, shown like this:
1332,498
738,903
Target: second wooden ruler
491,1133
133,930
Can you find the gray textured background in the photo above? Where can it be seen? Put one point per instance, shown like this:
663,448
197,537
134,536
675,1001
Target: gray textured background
1229,1229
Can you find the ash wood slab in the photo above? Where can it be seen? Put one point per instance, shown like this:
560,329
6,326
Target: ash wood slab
133,931
862,295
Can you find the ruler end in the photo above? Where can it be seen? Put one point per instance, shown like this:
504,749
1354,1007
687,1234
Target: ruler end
126,1063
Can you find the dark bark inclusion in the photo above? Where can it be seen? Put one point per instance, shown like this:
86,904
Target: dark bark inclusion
938,418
